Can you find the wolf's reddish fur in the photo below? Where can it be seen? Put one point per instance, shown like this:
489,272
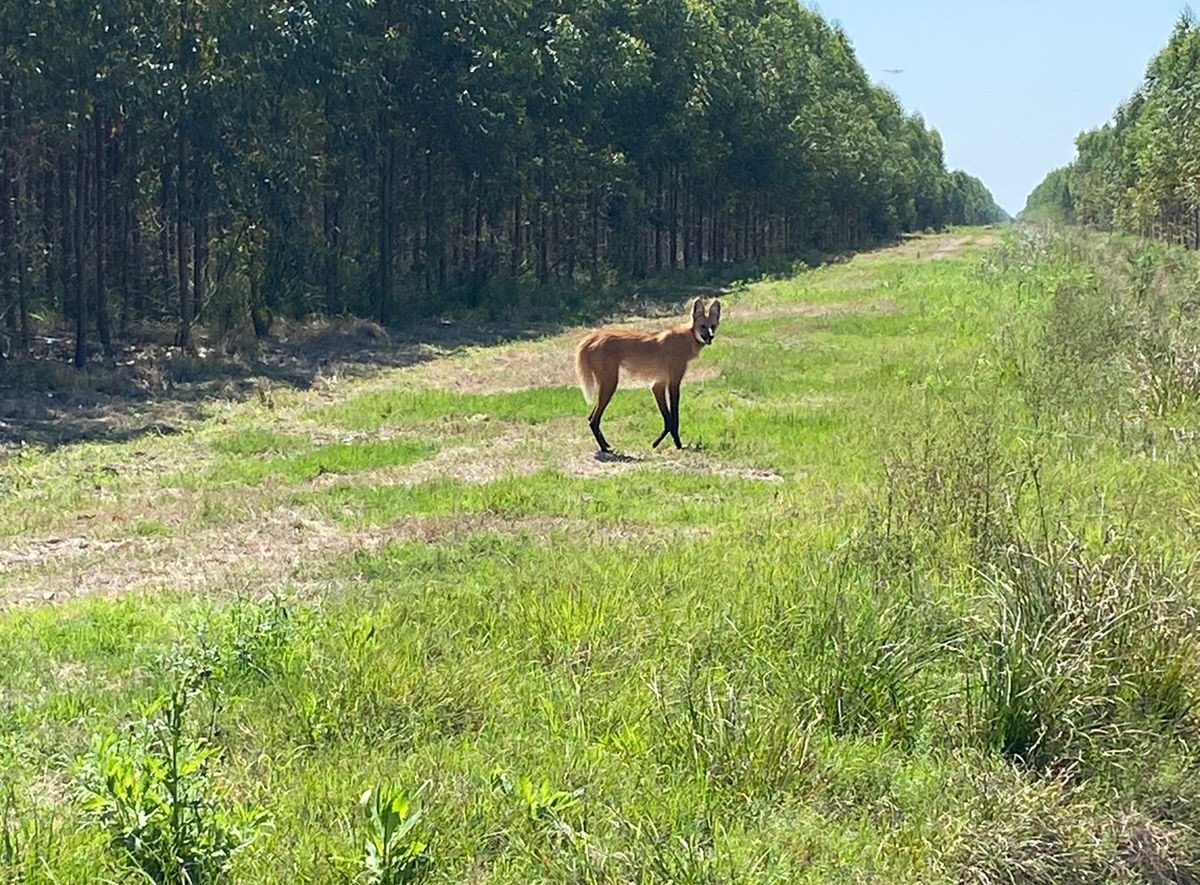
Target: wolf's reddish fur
661,357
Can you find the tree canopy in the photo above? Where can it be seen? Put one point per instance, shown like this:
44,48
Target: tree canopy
235,160
1140,172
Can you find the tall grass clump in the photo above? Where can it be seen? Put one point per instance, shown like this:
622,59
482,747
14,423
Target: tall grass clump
24,840
729,737
953,492
1084,659
869,660
1064,347
1107,335
1033,828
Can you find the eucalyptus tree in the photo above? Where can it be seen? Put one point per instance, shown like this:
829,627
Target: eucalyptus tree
1141,171
225,162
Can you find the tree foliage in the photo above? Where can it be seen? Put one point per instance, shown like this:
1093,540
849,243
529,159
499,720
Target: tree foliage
1140,172
228,162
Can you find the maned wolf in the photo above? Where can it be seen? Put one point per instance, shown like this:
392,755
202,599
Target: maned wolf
661,357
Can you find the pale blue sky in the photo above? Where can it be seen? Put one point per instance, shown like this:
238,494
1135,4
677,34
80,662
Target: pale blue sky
1007,83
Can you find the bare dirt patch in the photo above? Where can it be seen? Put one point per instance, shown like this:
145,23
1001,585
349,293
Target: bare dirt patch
283,549
955,244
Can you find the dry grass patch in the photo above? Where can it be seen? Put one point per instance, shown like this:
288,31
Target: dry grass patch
285,548
504,369
563,445
514,450
258,554
809,310
929,247
263,544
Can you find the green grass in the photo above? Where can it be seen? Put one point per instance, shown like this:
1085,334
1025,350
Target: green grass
918,605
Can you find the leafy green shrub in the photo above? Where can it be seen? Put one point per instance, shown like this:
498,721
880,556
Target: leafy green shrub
543,802
261,633
551,825
152,792
248,640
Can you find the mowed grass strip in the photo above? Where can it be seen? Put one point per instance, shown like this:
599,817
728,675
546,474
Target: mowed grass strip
914,606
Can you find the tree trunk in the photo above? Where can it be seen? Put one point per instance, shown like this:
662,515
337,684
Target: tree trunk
199,261
543,234
515,263
183,337
572,240
659,212
595,262
386,230
674,206
137,282
164,238
686,209
477,241
460,259
184,180
714,216
77,253
332,223
8,237
100,168
66,228
122,212
51,236
556,237
22,282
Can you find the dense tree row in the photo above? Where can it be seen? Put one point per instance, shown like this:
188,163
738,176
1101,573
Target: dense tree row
1140,172
232,160
1051,200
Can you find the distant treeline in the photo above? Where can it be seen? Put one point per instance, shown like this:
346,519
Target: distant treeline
1140,172
234,160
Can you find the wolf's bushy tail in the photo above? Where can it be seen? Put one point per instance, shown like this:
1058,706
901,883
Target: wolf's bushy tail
585,372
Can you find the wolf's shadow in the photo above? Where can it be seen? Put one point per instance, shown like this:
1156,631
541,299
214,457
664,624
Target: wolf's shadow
618,458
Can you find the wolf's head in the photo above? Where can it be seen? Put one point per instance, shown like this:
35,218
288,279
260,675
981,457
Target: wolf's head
704,323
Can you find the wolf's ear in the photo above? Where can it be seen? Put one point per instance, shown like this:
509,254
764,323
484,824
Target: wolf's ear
698,309
714,312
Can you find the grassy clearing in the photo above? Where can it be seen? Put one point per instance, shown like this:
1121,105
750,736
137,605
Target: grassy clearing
917,604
